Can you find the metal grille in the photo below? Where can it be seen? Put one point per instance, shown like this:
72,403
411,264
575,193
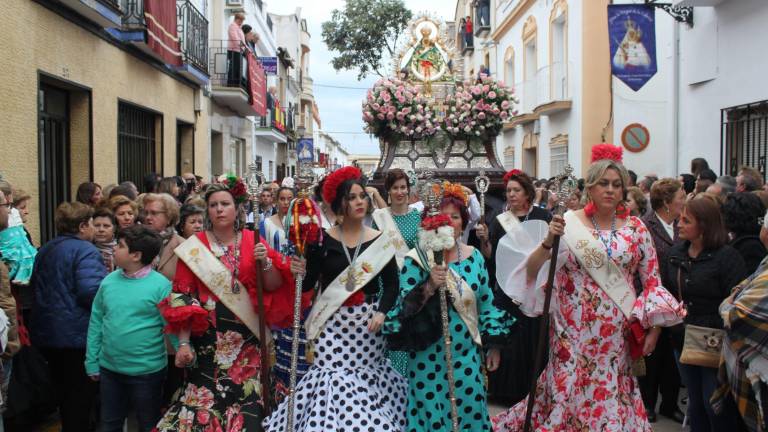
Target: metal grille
54,157
136,143
133,13
193,31
744,137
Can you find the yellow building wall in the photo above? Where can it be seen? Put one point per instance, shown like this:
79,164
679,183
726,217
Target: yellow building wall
596,79
35,40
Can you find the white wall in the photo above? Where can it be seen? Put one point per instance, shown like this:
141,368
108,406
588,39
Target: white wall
653,106
736,60
564,122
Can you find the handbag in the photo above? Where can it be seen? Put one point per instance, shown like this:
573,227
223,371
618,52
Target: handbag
702,346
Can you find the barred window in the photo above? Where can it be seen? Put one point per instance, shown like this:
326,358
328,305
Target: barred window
744,139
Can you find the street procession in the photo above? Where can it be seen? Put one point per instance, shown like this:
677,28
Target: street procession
384,215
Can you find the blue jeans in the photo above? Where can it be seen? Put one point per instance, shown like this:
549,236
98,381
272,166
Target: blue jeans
702,383
121,392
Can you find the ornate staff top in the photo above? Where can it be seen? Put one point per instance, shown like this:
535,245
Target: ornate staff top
565,185
482,182
431,193
255,182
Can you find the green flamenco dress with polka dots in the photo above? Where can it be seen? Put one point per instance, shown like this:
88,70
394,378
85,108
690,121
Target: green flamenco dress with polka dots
408,224
414,325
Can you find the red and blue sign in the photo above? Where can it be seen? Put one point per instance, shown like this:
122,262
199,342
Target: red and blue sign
632,33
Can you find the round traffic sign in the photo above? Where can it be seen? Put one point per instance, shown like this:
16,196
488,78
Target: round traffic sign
635,137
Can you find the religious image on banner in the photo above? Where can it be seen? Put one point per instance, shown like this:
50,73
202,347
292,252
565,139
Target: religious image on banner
305,151
632,31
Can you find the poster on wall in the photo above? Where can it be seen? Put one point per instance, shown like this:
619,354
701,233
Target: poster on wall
305,150
632,33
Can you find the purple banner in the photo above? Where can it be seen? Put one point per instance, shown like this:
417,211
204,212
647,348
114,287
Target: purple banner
632,32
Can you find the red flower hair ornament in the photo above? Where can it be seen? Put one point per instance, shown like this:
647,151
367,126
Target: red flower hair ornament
335,179
607,151
513,173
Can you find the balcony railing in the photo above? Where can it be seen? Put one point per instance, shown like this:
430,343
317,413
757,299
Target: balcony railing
274,119
227,68
269,23
549,84
193,32
133,13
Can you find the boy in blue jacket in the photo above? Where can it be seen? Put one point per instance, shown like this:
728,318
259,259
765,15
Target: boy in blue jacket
126,350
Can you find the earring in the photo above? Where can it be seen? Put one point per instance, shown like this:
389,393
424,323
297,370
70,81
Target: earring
666,208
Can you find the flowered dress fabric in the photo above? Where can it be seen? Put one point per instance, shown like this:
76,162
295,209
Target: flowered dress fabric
429,407
222,389
587,385
409,225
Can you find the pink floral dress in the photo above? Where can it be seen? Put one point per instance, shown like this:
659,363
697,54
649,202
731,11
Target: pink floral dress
587,385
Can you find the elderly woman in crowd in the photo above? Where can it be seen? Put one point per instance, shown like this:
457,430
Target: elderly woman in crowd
667,200
191,219
161,213
124,209
104,234
66,277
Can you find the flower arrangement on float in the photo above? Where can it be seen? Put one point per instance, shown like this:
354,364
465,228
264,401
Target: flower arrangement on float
395,108
475,111
478,110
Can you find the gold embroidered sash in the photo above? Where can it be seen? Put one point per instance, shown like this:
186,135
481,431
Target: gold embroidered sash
386,224
367,266
464,301
217,277
592,256
508,221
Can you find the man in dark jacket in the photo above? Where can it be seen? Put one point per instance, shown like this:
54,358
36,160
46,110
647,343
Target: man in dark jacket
67,274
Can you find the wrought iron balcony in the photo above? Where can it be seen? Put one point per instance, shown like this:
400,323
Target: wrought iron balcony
193,35
229,78
133,13
272,126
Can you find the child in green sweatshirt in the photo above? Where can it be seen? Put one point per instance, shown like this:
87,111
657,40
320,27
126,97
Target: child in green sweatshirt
126,350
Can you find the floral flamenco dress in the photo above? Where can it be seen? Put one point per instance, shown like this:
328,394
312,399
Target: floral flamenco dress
222,390
587,384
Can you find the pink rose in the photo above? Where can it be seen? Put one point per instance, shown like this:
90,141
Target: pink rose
380,116
390,116
505,104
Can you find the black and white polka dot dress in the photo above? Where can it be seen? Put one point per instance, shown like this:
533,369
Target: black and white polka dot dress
351,385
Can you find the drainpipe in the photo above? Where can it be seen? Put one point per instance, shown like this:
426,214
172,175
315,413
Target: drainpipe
676,102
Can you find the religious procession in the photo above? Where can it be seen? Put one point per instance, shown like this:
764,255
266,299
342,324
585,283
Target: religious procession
555,218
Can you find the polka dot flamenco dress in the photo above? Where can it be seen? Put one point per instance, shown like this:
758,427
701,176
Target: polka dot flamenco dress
350,386
410,324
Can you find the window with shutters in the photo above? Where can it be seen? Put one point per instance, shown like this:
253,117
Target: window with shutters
558,158
744,139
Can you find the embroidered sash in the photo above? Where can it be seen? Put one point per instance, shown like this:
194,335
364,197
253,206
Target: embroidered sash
592,256
464,301
367,266
386,224
508,221
217,277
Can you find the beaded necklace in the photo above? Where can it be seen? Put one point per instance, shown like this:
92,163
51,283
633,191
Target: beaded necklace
233,259
611,236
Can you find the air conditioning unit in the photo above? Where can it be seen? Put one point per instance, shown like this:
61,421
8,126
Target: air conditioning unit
234,2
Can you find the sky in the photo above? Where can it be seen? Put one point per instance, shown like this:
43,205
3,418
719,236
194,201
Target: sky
340,108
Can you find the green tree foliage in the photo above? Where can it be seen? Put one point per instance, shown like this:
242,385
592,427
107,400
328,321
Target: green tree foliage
363,32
